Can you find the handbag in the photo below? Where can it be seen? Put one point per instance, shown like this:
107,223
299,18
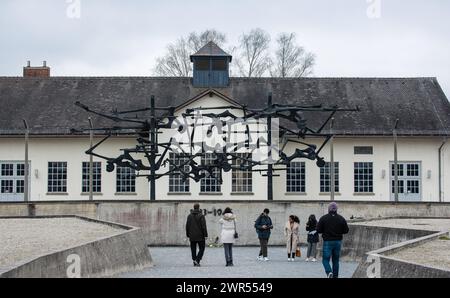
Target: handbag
298,253
236,235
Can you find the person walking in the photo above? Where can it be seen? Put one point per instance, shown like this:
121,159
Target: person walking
263,227
197,233
332,227
228,235
313,238
291,232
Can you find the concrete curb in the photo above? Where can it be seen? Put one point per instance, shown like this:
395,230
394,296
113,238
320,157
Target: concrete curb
378,263
108,256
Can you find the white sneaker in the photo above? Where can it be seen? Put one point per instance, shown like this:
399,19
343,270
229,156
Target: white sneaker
307,260
314,260
289,259
266,259
259,258
292,260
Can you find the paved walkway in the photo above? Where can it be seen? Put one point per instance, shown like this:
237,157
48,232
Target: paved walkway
174,262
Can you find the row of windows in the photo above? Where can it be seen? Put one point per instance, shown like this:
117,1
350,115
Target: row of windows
242,180
363,177
57,178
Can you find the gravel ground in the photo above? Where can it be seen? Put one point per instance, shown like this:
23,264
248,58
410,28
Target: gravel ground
25,239
175,262
439,225
435,253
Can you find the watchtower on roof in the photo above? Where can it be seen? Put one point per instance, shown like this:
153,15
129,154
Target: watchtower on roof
211,67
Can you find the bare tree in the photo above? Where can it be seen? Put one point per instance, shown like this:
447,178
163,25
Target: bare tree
253,55
291,60
176,62
198,40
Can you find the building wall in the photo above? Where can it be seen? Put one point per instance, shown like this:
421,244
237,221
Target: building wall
71,150
423,150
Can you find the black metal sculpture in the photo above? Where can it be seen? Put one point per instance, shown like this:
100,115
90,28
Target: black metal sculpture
226,158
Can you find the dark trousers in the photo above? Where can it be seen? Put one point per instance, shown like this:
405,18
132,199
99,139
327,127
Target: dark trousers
263,244
201,245
331,250
228,252
312,250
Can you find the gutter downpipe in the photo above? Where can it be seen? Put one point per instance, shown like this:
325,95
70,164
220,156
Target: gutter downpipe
440,169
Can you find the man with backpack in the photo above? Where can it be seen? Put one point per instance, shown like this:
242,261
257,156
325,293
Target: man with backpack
197,233
263,226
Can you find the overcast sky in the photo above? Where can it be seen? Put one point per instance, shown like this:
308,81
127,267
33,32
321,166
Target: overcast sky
351,38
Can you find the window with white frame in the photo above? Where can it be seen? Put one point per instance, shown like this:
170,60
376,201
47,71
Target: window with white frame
325,178
125,180
210,184
363,177
295,178
96,177
57,177
178,183
242,180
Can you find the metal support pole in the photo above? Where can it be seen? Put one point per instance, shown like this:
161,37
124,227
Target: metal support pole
153,150
396,162
26,191
332,174
269,143
91,162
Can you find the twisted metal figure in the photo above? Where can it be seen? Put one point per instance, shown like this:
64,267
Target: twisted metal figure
225,158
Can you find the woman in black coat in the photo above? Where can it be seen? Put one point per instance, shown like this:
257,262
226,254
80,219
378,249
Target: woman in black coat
313,238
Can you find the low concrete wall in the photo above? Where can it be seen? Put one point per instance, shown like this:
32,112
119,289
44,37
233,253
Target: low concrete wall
163,222
104,257
378,264
362,239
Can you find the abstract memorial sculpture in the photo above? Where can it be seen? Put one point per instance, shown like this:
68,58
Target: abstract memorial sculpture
239,138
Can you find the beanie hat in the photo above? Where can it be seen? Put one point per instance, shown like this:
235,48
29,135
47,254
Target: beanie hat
333,208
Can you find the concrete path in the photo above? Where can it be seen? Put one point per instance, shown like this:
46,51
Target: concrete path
175,262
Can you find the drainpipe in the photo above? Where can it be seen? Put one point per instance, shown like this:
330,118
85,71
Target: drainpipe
26,186
332,174
91,162
440,169
396,190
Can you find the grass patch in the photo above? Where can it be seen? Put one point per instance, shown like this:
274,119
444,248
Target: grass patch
444,238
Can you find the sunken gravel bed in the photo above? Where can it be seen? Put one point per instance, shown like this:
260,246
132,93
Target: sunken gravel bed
427,224
435,254
23,240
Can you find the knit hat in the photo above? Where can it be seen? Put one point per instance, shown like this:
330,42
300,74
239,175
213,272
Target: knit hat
333,208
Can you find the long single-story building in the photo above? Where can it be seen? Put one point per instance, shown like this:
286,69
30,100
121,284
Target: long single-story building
363,146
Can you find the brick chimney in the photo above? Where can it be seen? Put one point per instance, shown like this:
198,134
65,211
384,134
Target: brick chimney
36,71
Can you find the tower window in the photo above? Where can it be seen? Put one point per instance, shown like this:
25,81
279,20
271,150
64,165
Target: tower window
202,65
219,65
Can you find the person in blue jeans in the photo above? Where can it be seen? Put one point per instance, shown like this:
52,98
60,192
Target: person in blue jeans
332,227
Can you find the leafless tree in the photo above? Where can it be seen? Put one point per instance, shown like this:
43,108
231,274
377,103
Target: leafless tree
253,56
291,60
176,62
198,40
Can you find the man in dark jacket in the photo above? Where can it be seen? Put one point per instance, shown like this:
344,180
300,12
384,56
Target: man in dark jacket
332,226
197,233
263,226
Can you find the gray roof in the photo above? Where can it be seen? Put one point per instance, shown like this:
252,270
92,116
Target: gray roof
211,50
48,103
